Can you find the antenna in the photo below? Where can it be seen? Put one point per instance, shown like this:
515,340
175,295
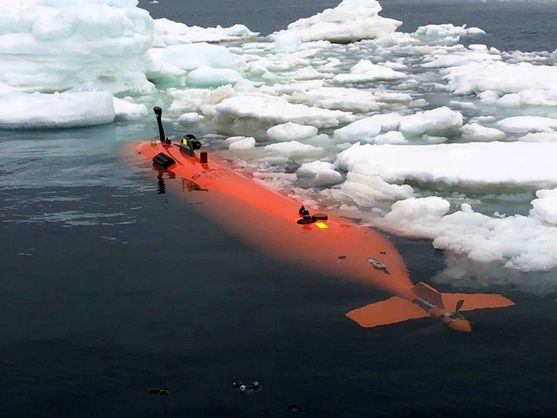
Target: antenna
158,112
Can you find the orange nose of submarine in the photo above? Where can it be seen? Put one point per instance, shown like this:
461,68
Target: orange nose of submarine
461,325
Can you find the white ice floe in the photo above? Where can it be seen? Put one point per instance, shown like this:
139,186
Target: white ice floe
190,118
192,100
519,242
351,20
270,110
545,206
509,100
320,172
367,191
169,33
294,150
367,128
391,137
126,109
173,62
366,71
287,42
437,121
446,34
190,57
50,46
524,124
242,144
459,55
206,77
361,130
502,77
470,164
477,132
529,97
290,131
539,137
58,110
338,98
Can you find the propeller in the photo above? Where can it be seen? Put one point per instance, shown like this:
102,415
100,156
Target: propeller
459,305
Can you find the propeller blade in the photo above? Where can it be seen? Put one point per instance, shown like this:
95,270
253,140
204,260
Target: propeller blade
459,305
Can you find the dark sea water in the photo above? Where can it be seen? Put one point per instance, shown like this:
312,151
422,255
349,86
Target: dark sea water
109,288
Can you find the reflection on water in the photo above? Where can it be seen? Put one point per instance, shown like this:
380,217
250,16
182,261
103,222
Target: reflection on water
161,186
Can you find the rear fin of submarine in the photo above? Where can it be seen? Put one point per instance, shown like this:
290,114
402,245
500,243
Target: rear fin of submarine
396,309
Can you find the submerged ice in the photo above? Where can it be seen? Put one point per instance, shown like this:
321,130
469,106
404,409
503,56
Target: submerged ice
413,132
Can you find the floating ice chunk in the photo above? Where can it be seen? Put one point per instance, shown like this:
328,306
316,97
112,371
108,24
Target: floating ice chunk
524,124
292,88
4,88
436,121
192,100
169,33
391,137
51,46
212,77
545,206
479,237
361,130
270,110
190,118
366,71
450,61
433,139
478,163
58,110
509,100
290,131
346,99
527,97
190,57
367,128
294,150
127,110
396,65
539,97
446,34
519,242
501,77
171,64
488,97
539,137
476,132
417,215
287,42
242,144
390,97
474,31
367,191
307,73
322,173
351,20
387,121
232,139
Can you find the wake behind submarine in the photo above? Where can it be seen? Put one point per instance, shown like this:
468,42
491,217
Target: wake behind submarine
281,226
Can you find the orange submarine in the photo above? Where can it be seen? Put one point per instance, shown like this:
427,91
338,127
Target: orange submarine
282,226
